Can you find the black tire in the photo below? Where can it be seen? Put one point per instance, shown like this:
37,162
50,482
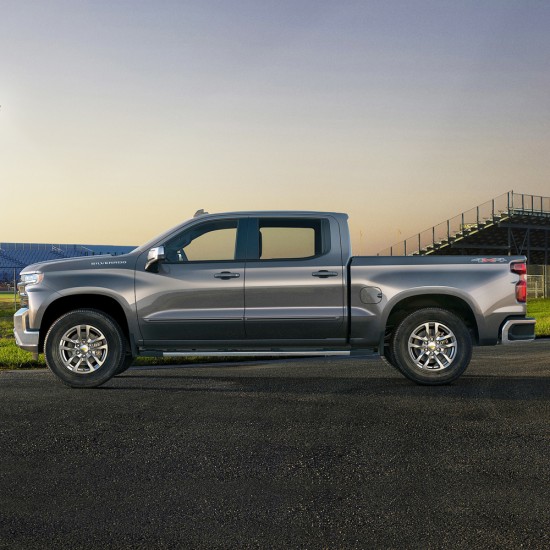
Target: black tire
432,346
99,356
126,364
387,355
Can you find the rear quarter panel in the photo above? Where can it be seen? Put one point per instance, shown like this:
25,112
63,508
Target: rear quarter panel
488,289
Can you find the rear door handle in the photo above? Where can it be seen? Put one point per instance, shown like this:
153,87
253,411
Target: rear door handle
323,274
227,275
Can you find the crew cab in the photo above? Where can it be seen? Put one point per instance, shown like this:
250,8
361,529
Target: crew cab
268,283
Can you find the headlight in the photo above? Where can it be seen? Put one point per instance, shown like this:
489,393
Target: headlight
27,279
31,278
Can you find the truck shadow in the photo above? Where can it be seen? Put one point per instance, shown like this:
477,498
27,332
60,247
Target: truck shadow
477,387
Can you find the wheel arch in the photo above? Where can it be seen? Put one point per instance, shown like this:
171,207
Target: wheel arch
449,302
99,302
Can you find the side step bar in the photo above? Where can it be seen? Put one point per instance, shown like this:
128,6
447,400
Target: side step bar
254,353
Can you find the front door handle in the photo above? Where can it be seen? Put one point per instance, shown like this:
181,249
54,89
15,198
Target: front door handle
227,275
323,274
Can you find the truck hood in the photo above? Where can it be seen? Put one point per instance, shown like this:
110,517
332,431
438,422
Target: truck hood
105,261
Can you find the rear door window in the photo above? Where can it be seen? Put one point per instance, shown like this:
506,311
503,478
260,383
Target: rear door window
280,239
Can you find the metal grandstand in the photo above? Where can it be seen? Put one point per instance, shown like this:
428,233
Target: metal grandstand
510,224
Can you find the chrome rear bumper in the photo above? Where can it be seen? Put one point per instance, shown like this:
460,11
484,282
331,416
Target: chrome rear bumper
518,330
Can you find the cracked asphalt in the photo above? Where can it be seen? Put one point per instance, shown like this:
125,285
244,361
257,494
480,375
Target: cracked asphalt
304,453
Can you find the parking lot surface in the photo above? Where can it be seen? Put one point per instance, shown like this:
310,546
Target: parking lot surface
309,453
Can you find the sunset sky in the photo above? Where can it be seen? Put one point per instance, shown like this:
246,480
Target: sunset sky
119,119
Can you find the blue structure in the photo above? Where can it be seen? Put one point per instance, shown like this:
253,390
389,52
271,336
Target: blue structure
15,256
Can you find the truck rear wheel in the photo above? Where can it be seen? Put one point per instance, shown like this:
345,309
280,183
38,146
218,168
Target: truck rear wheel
432,346
387,355
84,348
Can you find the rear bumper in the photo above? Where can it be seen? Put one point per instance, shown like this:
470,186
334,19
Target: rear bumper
518,330
26,339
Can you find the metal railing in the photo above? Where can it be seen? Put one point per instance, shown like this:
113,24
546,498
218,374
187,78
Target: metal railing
469,222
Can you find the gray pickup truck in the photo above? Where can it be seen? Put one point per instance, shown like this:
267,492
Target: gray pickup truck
268,283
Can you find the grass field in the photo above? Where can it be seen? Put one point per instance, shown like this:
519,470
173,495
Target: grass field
540,310
11,357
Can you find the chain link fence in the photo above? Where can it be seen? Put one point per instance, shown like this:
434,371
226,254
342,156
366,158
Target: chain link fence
8,281
538,281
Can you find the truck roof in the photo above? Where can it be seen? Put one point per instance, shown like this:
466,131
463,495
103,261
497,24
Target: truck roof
275,213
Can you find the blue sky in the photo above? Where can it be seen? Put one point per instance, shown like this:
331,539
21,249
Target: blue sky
120,119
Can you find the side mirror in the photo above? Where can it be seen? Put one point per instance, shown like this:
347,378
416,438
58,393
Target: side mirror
153,257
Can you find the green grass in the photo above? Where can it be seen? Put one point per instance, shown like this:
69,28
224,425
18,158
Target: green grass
12,357
540,310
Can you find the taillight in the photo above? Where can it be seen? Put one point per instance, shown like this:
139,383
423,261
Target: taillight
520,268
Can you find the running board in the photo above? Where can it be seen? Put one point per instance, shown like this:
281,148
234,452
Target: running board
254,353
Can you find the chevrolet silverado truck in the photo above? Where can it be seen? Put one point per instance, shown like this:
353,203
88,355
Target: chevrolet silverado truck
273,284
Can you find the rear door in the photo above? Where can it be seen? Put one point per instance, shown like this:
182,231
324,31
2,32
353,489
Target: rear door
294,287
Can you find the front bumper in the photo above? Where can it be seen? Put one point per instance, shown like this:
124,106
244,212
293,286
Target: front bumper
24,337
518,330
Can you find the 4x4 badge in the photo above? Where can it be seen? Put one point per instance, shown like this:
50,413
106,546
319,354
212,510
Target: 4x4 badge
489,260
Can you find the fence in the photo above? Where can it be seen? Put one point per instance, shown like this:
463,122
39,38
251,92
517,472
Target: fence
8,283
538,281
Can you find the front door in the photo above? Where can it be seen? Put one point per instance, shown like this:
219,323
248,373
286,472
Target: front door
197,295
294,281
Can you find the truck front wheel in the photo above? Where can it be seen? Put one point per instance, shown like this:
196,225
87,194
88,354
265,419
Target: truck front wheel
126,364
84,348
432,346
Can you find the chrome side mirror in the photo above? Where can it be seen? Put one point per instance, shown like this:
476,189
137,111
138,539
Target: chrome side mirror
153,257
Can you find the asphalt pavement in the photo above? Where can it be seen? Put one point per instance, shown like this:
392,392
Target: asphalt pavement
300,453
